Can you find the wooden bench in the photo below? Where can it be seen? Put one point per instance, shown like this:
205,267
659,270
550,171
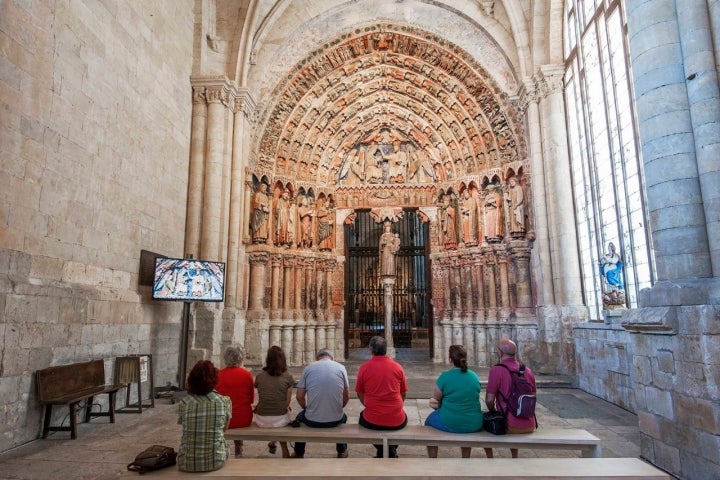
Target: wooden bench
543,438
422,468
69,385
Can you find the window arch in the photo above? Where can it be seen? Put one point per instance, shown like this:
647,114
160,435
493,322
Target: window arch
605,159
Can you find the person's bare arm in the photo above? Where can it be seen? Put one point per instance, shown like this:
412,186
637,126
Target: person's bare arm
300,396
288,398
490,401
346,396
437,393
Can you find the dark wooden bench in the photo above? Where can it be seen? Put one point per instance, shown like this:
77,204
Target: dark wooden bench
423,468
71,384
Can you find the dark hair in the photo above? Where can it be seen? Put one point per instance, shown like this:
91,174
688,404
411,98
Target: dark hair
458,355
202,378
275,362
378,346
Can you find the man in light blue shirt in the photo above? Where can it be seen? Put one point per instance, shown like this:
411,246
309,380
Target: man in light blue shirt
322,391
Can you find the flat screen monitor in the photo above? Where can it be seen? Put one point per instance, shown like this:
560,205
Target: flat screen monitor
188,280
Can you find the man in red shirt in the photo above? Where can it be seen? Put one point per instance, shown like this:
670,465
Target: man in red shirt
499,380
381,387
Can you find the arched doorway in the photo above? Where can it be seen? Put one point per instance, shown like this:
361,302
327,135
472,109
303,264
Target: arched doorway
364,307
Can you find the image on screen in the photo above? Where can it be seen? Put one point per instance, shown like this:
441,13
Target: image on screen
188,280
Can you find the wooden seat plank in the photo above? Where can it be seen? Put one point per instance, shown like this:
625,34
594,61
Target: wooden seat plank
426,468
544,438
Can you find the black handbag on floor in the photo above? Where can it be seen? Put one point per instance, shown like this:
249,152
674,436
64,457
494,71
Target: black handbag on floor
495,423
153,458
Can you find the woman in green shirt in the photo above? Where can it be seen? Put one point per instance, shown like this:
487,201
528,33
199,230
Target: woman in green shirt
456,398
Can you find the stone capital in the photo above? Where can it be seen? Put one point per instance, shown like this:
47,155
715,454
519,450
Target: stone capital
258,258
549,80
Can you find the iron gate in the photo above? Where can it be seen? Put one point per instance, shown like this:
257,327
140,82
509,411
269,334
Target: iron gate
364,309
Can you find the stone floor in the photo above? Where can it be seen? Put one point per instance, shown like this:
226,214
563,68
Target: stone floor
103,450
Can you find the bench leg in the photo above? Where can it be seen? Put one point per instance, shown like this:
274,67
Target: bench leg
73,420
593,452
88,409
46,423
111,407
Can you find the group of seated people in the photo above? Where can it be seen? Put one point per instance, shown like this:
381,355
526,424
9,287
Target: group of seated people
221,399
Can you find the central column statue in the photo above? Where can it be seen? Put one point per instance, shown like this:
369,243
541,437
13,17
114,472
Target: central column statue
389,246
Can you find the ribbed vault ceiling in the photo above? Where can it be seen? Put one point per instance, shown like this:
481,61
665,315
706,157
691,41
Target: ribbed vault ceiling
381,84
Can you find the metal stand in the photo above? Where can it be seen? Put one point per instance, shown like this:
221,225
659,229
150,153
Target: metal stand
135,369
182,362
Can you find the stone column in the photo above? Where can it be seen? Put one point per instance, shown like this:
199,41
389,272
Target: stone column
541,268
287,342
288,303
479,289
246,209
312,332
492,311
275,307
309,301
258,261
520,253
447,290
504,282
275,334
276,281
674,330
701,73
298,345
320,339
670,157
388,284
241,109
563,242
193,222
299,290
256,329
439,306
468,310
456,289
212,205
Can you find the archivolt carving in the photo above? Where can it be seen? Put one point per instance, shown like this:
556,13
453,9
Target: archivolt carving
449,119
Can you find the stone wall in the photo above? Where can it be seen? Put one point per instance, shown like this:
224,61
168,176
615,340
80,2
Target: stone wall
604,362
677,381
94,129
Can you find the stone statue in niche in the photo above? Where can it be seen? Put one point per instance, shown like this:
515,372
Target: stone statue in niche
306,215
389,246
325,224
448,225
469,219
493,216
515,198
611,267
284,226
260,215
